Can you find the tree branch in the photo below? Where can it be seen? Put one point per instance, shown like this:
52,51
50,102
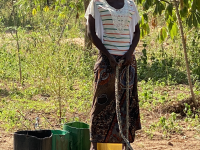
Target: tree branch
185,53
64,26
165,1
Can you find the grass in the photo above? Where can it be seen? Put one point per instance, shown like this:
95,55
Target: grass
51,73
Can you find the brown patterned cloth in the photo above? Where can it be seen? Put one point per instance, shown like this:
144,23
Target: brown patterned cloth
104,126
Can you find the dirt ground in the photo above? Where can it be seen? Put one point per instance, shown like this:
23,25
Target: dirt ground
187,140
142,143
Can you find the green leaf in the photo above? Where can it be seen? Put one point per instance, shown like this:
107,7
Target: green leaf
195,23
186,3
198,5
162,34
184,12
156,10
169,9
194,5
150,2
170,25
174,17
189,20
144,29
147,29
142,20
147,4
166,15
145,17
198,17
34,11
142,33
72,4
193,19
139,1
162,7
159,7
38,8
174,31
46,8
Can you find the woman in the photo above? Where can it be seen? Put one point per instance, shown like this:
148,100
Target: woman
113,28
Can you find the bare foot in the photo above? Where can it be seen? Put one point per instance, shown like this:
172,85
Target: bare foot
93,146
124,147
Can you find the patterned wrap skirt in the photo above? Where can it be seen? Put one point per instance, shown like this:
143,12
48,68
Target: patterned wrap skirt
104,125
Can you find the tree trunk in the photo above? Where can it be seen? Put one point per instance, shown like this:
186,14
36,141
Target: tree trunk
185,53
17,40
88,43
48,4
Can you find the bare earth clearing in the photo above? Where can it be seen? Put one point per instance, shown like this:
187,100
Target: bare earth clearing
187,140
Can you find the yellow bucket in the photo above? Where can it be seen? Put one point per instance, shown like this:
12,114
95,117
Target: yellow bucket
109,146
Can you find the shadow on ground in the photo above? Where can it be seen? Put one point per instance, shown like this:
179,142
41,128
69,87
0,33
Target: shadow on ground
4,93
162,71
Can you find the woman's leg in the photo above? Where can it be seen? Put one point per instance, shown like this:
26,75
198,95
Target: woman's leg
93,146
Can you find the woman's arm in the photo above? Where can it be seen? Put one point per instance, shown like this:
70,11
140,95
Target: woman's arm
97,42
128,55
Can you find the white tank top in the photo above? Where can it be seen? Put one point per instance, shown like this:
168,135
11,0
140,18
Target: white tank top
115,27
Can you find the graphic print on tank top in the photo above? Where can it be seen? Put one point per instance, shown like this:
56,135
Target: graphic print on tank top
116,23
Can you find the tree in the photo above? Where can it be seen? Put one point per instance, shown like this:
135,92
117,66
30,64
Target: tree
182,11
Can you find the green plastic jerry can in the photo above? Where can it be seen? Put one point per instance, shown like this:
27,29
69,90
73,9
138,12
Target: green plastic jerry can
60,140
80,136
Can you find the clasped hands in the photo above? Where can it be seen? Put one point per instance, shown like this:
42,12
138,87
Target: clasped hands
127,57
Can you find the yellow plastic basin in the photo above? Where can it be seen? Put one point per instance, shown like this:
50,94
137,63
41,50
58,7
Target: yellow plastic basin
109,146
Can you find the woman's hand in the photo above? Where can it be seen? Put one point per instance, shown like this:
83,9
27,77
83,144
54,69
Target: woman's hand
113,62
127,57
